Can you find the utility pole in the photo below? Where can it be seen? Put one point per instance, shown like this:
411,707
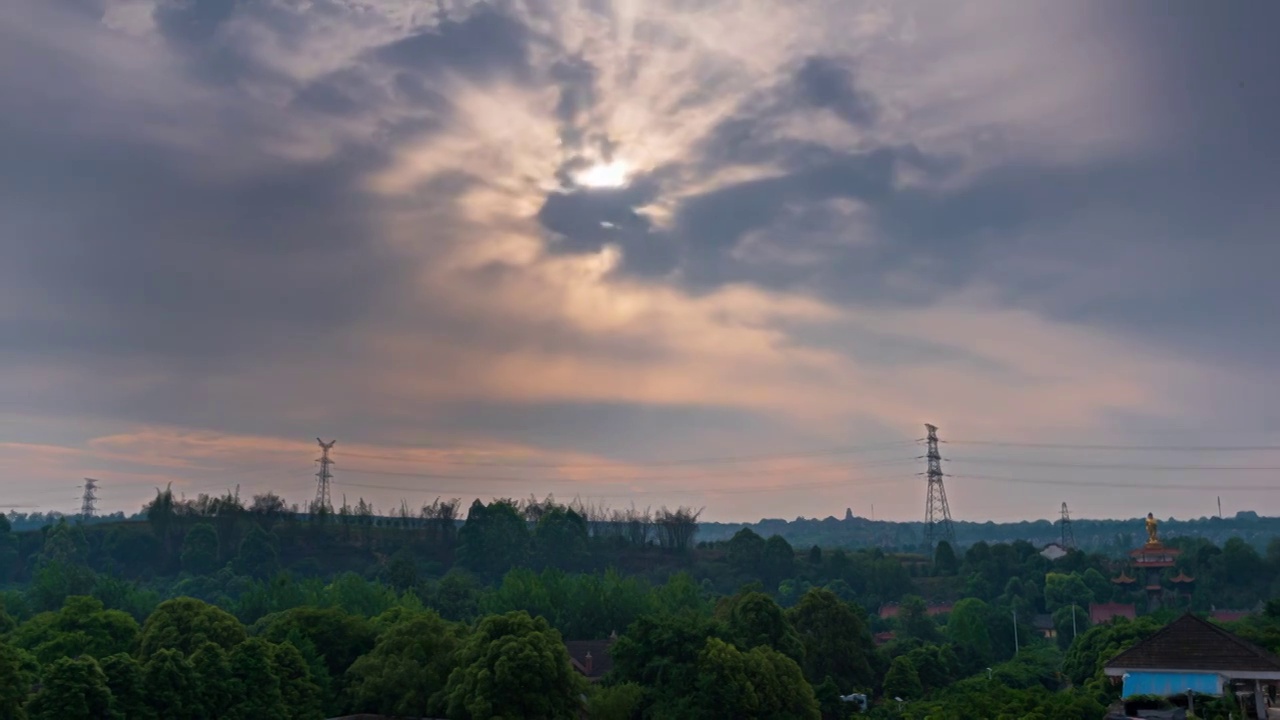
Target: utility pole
322,503
1068,537
937,514
1073,622
1015,632
88,503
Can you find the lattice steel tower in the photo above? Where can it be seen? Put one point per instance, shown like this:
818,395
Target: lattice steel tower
937,514
323,477
88,504
1068,536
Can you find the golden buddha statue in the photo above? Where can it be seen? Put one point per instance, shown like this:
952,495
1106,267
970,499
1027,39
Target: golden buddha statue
1152,537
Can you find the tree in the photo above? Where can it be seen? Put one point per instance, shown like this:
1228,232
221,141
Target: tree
660,653
125,681
494,537
338,636
760,682
184,624
200,550
513,666
837,642
944,559
902,680
1061,590
257,556
745,552
172,685
969,628
16,676
406,673
213,688
914,621
299,694
255,687
81,627
8,550
615,702
71,688
779,560
561,538
754,619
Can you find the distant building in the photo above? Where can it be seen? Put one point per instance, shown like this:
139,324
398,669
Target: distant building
888,611
1053,551
1229,615
1044,626
592,658
1101,613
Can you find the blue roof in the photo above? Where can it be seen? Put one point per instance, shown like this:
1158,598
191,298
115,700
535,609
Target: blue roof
1166,684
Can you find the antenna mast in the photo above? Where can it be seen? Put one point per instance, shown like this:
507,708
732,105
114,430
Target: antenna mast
323,477
1068,536
937,514
88,504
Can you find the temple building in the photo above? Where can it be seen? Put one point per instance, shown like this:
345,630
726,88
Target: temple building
1148,562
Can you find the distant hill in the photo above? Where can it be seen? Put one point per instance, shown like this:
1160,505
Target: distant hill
1111,537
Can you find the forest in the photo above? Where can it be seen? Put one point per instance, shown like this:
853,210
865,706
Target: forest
217,608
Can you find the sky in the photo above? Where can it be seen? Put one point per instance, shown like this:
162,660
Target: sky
725,255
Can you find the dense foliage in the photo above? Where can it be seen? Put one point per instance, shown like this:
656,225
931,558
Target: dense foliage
214,609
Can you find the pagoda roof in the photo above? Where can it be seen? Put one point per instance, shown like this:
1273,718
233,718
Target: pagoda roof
1123,579
1182,577
1192,644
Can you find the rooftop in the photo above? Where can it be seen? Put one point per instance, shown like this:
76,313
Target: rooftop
1194,644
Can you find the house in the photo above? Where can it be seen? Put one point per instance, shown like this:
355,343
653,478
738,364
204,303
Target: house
1100,613
1192,656
884,638
1229,615
1053,551
592,658
1044,626
888,611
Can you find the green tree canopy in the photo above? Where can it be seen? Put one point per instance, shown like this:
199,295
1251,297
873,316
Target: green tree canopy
16,677
338,636
494,537
406,673
514,666
184,624
758,683
82,627
754,619
71,688
969,629
836,640
902,680
200,549
257,556
125,681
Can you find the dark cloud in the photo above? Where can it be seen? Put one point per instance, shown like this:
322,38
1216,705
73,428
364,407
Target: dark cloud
484,44
192,22
828,83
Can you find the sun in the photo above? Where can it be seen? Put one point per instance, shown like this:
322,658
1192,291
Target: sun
604,175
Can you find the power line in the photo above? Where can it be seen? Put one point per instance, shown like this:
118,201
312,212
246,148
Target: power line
1086,446
633,478
867,482
845,450
1117,466
1116,483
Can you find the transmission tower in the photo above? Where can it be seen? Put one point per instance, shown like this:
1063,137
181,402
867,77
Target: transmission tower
88,504
937,514
1068,537
323,477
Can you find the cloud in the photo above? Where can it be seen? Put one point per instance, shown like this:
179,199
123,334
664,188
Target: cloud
232,224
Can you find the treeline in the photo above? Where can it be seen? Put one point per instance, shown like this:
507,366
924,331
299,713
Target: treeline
751,624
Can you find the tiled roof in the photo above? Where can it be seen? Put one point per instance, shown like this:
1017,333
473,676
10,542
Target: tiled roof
1190,643
601,659
1106,612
